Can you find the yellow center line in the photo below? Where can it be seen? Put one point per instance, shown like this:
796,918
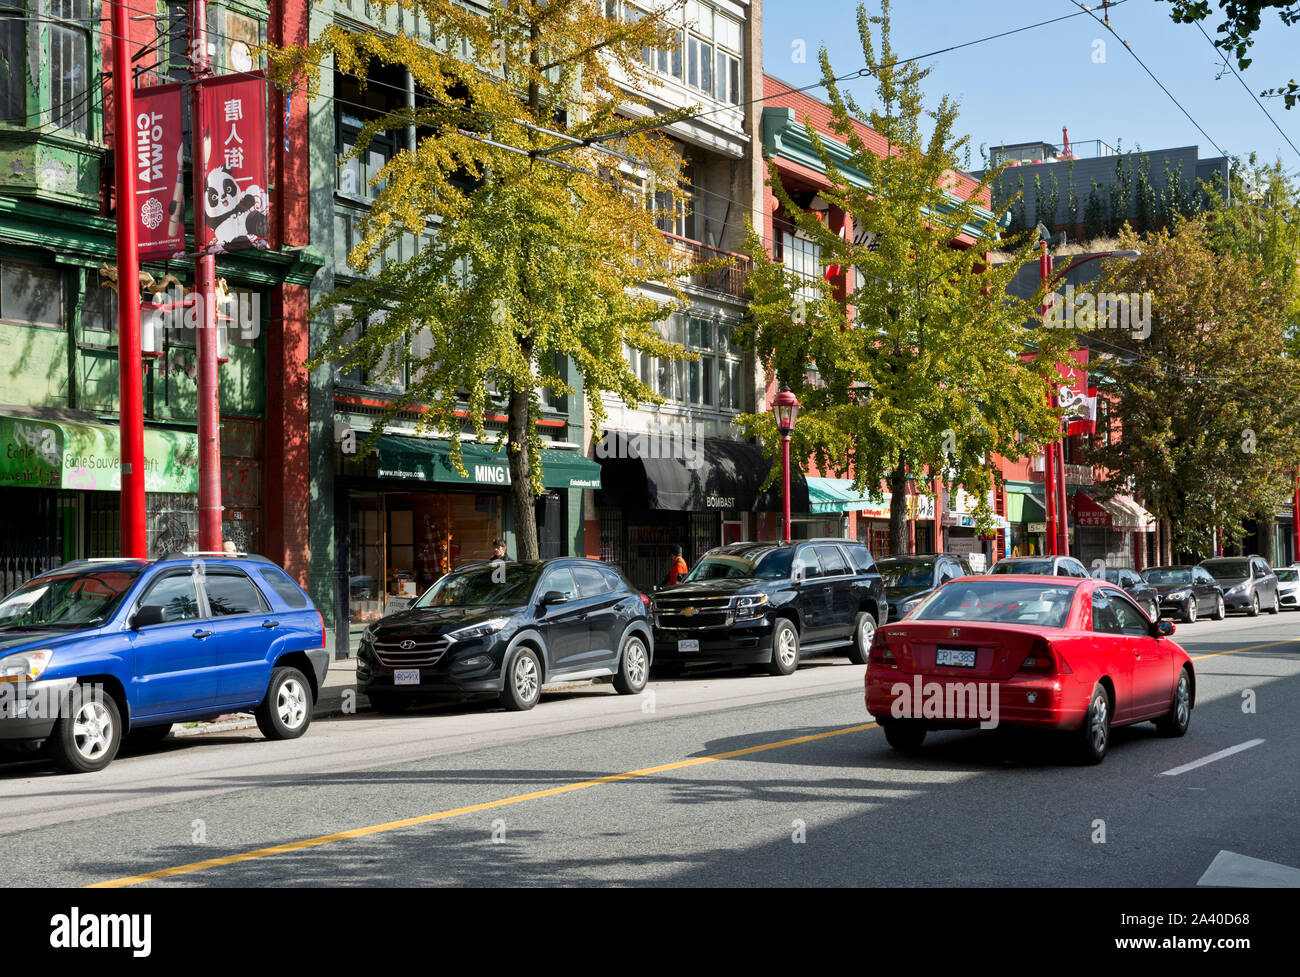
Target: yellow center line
1233,651
471,809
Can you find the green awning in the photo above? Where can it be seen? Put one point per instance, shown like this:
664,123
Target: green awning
427,460
837,495
1024,508
41,453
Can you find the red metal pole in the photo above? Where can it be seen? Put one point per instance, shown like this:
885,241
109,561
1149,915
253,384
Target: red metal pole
1049,451
785,475
1295,520
130,377
1062,503
205,281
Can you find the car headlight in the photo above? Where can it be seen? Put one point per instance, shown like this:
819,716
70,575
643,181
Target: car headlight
481,630
25,666
906,606
1239,589
750,605
1180,595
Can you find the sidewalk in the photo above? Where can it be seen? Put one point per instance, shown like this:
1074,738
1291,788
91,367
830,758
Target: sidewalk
341,678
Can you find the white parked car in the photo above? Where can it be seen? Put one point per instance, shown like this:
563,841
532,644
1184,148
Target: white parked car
1288,587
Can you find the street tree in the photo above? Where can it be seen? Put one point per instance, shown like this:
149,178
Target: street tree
1242,20
532,176
925,366
1208,424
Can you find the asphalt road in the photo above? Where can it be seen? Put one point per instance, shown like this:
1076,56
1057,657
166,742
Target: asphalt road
721,780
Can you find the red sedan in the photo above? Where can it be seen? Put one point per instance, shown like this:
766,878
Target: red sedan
1045,652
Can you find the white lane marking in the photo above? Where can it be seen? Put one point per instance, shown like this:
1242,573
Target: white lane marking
1211,758
1241,871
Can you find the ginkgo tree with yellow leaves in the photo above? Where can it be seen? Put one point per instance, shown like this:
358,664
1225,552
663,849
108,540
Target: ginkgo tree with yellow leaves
926,366
533,179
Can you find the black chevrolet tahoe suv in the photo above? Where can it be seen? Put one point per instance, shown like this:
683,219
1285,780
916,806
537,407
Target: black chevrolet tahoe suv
768,604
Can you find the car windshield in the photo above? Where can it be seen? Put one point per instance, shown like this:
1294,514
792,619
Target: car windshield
1113,576
1233,570
906,573
486,585
65,601
1024,566
994,601
1161,577
1287,574
766,563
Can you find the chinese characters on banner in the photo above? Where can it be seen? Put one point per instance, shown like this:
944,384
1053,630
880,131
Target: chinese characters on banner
159,165
235,207
1077,401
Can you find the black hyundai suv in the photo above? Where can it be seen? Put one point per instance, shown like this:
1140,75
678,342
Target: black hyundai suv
507,629
770,603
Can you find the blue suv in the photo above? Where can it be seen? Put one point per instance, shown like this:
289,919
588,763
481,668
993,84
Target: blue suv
99,649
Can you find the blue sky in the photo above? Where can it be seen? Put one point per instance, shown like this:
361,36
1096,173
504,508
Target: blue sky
1025,87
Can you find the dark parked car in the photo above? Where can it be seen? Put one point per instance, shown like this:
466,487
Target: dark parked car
1132,584
1186,592
1045,566
114,647
1248,583
771,603
910,579
505,630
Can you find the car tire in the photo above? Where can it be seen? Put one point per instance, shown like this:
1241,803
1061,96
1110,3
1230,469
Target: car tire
1179,717
785,648
1254,606
285,713
1189,615
864,630
1094,734
633,666
905,735
1277,605
523,681
388,703
1220,609
89,738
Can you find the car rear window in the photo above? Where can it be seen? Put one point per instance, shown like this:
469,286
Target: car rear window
1046,604
284,586
230,592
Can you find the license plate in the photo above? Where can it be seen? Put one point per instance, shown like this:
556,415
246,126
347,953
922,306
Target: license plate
960,657
688,645
406,676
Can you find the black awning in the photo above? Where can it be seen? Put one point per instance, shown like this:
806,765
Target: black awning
687,474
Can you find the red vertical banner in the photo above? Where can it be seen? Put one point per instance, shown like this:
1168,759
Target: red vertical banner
158,165
235,206
1077,401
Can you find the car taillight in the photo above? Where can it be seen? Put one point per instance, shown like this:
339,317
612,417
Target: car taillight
1043,659
321,617
880,650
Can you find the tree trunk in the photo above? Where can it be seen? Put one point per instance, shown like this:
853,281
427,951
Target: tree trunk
1166,542
898,538
521,485
1266,531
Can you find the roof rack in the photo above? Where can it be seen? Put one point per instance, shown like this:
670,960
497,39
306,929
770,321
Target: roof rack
191,554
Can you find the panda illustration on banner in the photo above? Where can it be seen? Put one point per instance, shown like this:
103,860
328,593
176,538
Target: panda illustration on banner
237,216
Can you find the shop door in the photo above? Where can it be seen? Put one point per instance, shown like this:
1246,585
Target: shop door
37,533
550,526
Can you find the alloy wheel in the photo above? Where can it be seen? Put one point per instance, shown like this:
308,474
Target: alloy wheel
526,678
291,703
1098,726
92,730
634,655
866,632
1183,700
786,649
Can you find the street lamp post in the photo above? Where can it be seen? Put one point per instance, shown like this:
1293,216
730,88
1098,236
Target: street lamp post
785,408
1058,533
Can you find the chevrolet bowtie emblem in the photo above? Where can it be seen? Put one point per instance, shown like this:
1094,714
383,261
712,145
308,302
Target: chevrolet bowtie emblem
688,611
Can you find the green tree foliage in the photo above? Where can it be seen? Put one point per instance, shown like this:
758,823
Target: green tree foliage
926,374
1209,423
540,238
1241,22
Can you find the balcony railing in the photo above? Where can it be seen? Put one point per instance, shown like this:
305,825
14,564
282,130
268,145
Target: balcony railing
729,279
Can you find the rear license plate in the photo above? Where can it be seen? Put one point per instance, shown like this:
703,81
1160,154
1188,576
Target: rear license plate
960,657
689,644
406,676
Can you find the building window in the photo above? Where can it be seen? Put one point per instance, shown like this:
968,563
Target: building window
31,294
802,258
708,55
713,381
676,211
62,31
356,172
13,35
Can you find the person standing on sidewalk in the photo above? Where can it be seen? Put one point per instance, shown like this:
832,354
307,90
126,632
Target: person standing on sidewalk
499,550
676,568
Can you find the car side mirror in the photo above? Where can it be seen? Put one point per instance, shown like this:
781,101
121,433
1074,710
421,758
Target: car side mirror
553,597
148,615
1165,629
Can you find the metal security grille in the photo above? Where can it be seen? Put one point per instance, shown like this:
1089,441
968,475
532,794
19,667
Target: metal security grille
611,537
550,526
1112,547
706,533
37,533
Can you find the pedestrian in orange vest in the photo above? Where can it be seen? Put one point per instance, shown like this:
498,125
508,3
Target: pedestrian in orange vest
676,569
